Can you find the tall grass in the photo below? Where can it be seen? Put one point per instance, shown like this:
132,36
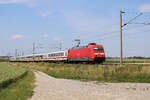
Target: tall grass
102,73
126,61
4,60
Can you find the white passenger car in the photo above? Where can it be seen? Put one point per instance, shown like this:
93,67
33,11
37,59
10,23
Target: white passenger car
52,56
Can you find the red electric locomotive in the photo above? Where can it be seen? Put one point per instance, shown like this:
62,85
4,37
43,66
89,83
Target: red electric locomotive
91,53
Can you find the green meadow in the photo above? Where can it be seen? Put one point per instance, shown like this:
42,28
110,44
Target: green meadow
16,83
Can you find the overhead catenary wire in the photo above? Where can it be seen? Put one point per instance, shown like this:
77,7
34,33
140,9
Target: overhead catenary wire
132,19
112,34
115,33
141,23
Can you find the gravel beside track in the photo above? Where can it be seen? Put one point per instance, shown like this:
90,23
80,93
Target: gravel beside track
49,88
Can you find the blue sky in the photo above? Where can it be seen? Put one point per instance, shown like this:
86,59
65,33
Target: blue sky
51,22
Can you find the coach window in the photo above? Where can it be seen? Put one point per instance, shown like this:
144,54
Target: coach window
61,54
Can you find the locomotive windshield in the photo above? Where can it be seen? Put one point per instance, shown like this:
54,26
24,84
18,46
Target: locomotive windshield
98,49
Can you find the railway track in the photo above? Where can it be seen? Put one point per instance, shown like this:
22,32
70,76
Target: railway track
81,63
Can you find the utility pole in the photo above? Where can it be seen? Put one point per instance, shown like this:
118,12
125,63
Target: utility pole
22,53
16,53
9,54
121,26
33,50
60,45
121,50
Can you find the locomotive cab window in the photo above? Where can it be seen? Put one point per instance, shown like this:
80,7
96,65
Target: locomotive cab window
98,49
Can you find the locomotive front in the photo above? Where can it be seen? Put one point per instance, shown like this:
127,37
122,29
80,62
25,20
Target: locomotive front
98,52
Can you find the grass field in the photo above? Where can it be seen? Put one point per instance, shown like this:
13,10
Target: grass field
9,74
4,60
126,61
19,90
16,83
101,73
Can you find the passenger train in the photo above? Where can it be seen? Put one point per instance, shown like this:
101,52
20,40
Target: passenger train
90,53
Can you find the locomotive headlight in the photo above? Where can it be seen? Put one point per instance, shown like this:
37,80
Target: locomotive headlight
102,53
97,54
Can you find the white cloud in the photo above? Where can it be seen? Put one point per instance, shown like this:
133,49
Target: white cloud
44,14
18,37
30,3
145,8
